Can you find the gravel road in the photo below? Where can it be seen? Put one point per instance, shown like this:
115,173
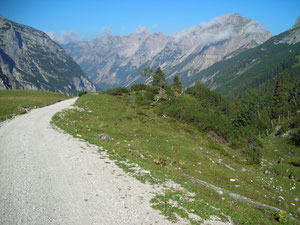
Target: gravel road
48,177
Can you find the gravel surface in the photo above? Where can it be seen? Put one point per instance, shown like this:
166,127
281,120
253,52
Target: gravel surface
48,177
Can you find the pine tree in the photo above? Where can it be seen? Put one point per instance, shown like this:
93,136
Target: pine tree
235,100
146,72
280,96
176,83
159,79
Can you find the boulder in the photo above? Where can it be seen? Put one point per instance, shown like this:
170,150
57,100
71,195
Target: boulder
216,138
105,137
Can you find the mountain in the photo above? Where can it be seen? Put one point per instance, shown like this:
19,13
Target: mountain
29,59
254,67
112,61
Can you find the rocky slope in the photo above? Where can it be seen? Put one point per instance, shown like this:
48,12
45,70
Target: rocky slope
29,59
114,60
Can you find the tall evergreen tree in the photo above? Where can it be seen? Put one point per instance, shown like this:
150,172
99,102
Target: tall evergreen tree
235,100
176,83
159,79
146,72
280,95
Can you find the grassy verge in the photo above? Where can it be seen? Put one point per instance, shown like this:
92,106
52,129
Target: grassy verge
162,147
13,102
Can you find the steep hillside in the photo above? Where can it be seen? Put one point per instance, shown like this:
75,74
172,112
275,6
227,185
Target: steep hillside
166,140
254,67
29,59
114,60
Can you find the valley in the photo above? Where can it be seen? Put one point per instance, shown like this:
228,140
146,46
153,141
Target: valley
201,126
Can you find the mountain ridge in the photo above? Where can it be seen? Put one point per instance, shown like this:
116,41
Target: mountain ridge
254,67
30,59
112,61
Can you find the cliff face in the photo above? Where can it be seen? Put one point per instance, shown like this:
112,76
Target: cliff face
29,59
114,60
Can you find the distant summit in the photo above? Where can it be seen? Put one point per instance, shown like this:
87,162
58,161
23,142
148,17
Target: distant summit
255,67
29,59
297,24
142,30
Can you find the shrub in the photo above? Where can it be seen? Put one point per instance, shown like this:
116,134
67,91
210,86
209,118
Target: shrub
169,91
295,161
189,109
237,142
295,137
82,93
151,92
138,87
283,129
254,155
295,121
254,142
117,91
208,98
142,100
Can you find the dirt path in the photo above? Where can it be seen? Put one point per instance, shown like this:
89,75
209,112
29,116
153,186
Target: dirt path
47,177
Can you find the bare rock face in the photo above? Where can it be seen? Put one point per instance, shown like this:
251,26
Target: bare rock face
114,60
29,59
293,36
297,24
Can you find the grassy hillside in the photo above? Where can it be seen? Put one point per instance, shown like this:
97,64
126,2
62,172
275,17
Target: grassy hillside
165,147
13,102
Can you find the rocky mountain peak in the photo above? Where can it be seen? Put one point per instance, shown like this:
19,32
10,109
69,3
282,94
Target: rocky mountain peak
142,30
223,28
29,59
291,36
296,24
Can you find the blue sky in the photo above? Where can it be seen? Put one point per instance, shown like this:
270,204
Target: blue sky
87,19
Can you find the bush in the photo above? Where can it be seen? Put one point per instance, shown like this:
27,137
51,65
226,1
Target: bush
208,98
283,129
138,87
191,110
151,92
237,142
142,100
254,155
82,93
117,91
295,161
295,121
169,91
295,137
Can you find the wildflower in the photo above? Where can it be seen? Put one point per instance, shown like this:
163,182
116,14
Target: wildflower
281,215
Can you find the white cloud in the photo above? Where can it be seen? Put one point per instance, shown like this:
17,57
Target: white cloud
253,27
204,33
179,35
64,37
67,36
